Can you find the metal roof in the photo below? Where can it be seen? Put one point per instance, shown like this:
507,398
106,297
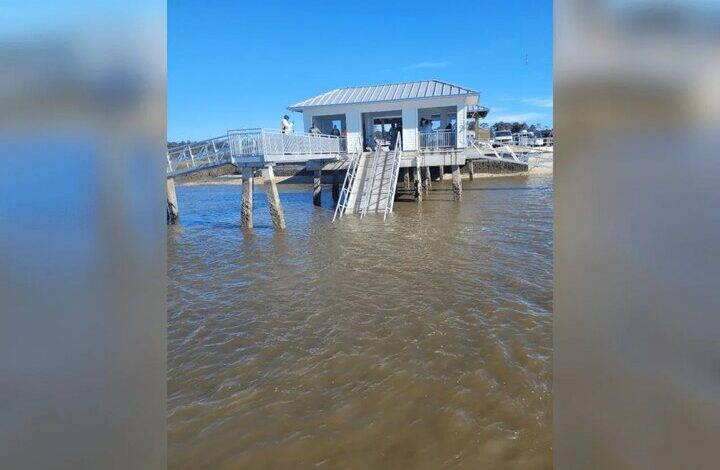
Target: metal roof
390,92
482,111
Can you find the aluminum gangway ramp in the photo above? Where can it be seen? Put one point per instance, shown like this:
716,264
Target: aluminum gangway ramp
198,156
254,148
486,151
375,182
344,196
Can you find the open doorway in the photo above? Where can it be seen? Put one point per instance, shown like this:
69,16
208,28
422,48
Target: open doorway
381,127
330,124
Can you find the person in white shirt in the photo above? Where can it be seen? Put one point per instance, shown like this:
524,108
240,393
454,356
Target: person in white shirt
315,129
286,125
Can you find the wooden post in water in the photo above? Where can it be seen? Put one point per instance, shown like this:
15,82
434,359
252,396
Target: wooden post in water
336,186
246,206
471,169
441,170
172,205
456,182
317,187
406,177
276,212
428,180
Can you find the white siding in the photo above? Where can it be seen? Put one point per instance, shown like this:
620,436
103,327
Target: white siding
461,125
354,128
410,127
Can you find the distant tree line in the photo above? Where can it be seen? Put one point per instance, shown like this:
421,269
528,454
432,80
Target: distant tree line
178,144
516,126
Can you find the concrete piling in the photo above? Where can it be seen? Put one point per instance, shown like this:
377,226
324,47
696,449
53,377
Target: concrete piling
246,206
456,183
471,169
428,180
172,206
276,212
317,187
418,187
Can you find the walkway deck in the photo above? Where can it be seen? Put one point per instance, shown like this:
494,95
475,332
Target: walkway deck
262,147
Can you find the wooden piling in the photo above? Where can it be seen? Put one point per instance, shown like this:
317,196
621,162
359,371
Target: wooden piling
246,206
456,183
336,186
428,180
471,169
276,212
172,205
317,187
441,171
406,177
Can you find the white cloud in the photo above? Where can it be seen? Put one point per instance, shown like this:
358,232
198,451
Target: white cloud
539,102
519,117
418,66
425,65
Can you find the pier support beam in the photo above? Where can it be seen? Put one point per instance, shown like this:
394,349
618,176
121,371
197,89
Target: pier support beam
246,207
428,180
471,169
418,187
172,205
456,183
276,212
406,177
317,187
336,186
441,171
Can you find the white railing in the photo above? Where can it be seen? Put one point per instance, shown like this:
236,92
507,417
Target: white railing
438,139
270,142
193,157
344,197
390,201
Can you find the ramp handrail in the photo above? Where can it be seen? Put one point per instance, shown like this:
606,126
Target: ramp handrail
192,157
390,202
344,196
367,191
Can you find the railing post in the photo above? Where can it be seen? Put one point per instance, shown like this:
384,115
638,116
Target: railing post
192,158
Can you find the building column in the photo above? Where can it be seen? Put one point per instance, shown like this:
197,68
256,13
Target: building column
276,212
172,205
471,169
317,187
456,183
246,206
336,186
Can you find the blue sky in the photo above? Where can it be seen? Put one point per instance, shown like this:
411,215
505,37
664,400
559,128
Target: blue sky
238,64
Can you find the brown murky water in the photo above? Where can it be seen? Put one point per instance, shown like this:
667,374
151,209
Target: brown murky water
421,342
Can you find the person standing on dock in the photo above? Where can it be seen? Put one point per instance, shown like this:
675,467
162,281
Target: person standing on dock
394,131
335,131
315,129
286,125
